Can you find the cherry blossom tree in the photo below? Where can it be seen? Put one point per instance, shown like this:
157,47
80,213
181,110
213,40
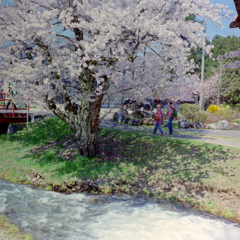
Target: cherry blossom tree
234,55
83,51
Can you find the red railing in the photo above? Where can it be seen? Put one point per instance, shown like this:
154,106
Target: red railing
5,98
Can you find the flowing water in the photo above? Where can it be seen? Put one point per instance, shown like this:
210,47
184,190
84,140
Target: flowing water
53,216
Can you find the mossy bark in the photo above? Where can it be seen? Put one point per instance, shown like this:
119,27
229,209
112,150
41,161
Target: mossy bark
84,119
85,128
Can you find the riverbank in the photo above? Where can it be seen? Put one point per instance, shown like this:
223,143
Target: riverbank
8,231
194,173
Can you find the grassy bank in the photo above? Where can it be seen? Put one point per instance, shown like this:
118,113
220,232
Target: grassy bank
8,231
194,173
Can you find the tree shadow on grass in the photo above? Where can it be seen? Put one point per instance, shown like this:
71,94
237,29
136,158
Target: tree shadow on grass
166,159
140,158
134,158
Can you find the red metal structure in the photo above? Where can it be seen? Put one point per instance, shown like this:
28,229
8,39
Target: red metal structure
12,115
2,100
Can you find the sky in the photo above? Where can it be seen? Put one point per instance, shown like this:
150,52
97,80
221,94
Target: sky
226,31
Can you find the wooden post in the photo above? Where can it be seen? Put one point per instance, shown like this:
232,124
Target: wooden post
13,112
27,116
28,108
4,102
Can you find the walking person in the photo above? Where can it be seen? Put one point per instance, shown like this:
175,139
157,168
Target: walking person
1,94
159,118
9,101
170,117
10,93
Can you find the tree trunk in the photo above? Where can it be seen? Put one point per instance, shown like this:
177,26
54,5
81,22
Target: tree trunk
84,122
86,126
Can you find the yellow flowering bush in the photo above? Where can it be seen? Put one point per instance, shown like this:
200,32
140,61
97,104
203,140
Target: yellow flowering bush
225,112
222,106
213,108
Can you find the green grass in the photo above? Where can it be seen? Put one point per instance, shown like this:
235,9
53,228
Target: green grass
134,154
44,132
18,164
131,161
166,159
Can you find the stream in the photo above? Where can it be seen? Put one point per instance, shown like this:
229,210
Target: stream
53,216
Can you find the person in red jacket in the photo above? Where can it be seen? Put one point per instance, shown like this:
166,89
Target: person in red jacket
159,122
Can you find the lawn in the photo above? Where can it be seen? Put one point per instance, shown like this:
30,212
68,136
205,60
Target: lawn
197,174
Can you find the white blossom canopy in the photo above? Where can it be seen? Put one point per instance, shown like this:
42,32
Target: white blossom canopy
57,47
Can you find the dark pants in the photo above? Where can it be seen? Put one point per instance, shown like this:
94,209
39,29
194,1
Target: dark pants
157,126
13,105
170,125
8,103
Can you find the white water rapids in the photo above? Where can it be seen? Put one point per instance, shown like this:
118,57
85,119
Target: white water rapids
53,216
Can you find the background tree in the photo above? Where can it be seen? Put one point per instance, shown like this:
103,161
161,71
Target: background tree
77,51
229,81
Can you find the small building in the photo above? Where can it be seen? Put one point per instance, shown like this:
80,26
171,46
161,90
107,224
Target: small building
176,104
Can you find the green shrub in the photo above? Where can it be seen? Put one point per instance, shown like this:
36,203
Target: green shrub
237,106
237,120
227,113
188,111
191,112
201,117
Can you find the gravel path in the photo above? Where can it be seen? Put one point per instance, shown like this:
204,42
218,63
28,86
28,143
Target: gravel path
219,133
220,137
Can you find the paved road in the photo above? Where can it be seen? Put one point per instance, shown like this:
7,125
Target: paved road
220,137
228,138
220,133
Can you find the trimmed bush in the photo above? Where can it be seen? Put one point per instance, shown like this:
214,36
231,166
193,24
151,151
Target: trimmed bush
192,113
188,111
201,117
